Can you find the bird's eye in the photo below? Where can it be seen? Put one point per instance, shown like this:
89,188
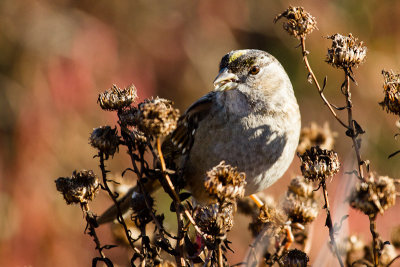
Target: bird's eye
254,70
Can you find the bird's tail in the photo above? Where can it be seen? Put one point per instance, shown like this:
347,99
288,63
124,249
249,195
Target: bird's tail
125,202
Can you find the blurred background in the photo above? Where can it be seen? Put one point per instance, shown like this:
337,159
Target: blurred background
57,56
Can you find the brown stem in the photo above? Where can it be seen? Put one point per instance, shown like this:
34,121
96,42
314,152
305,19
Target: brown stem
329,224
375,236
320,90
171,188
220,258
351,129
179,243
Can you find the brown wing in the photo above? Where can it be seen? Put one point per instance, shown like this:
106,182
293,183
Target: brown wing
183,136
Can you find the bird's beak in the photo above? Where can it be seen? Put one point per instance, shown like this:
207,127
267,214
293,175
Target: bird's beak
225,81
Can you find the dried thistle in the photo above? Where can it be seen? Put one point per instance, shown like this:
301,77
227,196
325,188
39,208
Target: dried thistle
300,204
157,117
345,51
295,258
376,194
225,182
391,87
299,22
214,220
81,187
116,98
316,135
319,164
105,139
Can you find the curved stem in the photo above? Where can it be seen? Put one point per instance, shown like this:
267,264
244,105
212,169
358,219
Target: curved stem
320,90
353,133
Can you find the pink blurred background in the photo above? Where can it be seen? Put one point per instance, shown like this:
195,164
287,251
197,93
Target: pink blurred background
56,56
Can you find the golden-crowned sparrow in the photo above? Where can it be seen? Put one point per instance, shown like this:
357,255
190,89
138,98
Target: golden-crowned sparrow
250,120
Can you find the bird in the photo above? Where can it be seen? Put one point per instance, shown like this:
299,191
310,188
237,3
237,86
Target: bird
250,120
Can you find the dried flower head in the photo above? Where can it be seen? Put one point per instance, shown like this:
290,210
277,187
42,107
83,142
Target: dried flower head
345,51
295,258
157,117
315,135
376,194
299,22
395,236
300,204
116,98
81,187
300,210
352,247
214,220
391,87
105,139
225,182
319,164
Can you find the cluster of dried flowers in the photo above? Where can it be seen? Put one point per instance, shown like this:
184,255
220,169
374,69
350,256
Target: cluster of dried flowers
373,194
277,226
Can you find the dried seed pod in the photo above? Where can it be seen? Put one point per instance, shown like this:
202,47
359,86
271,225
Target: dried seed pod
81,187
157,117
391,88
295,258
315,135
299,22
116,98
214,220
345,52
225,182
319,164
376,194
105,139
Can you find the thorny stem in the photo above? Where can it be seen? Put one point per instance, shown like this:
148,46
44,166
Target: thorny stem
329,224
111,194
375,236
92,231
320,90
